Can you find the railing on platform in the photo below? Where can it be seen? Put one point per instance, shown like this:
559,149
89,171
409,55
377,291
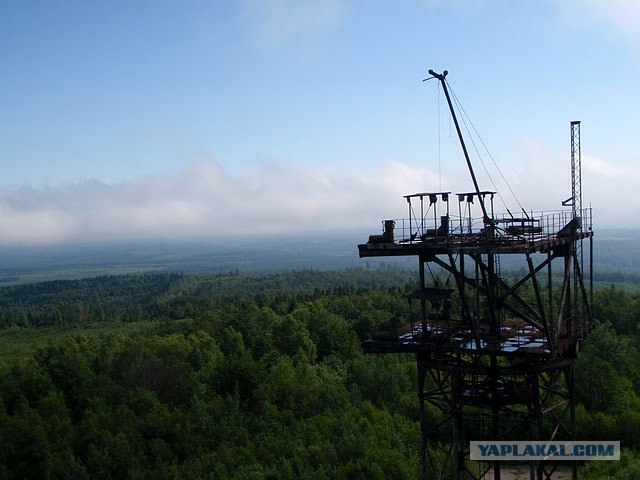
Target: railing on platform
534,227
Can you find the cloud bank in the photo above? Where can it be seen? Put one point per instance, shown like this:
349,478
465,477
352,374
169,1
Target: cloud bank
543,179
279,198
206,200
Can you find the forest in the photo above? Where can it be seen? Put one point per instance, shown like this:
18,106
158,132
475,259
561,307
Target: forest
171,376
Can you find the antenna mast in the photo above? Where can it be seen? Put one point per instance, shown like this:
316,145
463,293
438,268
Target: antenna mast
576,172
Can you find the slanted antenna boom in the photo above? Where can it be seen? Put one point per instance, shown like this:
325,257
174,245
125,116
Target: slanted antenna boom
441,77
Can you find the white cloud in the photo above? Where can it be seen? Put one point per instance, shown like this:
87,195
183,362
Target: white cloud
601,167
542,180
617,18
277,21
34,226
204,201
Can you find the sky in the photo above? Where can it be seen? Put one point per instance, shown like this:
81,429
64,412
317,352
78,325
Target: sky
166,119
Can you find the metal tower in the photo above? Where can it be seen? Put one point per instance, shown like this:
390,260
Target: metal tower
494,355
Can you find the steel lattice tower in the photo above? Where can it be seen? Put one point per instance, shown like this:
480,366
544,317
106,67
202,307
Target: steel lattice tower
494,356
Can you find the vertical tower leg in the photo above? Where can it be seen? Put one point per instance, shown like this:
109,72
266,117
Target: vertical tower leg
458,431
495,411
572,413
536,424
424,444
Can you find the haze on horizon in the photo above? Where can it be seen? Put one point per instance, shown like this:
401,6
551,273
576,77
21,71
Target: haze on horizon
166,120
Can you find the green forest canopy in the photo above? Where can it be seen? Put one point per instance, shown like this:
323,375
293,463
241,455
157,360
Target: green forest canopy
236,376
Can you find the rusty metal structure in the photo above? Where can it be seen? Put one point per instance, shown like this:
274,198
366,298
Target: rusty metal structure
494,355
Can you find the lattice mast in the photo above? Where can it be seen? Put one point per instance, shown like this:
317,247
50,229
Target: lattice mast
580,308
576,171
576,207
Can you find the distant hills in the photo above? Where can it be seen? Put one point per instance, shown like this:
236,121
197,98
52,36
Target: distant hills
616,256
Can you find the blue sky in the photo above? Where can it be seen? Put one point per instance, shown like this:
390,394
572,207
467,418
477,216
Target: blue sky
169,119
